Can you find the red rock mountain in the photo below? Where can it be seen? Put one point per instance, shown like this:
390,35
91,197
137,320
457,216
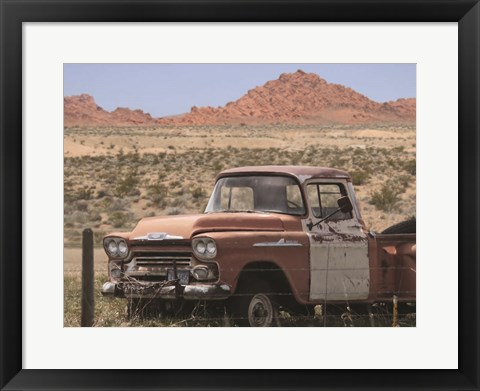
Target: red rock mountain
81,110
299,98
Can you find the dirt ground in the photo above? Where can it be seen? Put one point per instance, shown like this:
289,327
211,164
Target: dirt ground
104,141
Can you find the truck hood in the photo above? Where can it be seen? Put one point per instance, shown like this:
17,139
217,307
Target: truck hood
187,226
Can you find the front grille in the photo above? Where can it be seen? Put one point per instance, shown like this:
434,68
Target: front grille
150,278
162,243
164,261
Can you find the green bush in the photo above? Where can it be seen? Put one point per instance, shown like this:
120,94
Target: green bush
410,166
386,199
119,219
157,194
198,193
127,186
359,177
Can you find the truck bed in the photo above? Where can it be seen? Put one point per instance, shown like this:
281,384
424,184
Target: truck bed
393,266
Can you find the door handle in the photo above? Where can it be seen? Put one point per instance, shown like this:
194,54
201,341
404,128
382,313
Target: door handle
355,226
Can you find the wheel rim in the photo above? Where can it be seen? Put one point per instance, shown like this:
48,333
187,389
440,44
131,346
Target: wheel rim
260,311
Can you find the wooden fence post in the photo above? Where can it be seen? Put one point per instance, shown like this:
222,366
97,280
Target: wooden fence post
395,311
88,303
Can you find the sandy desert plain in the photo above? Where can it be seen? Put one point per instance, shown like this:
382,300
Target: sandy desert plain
114,176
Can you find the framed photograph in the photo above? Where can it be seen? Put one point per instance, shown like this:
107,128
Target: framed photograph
47,48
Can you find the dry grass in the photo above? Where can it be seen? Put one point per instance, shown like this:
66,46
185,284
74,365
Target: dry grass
113,312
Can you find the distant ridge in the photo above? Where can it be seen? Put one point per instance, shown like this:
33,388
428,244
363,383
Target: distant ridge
81,110
296,98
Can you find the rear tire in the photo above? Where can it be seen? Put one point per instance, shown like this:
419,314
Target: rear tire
405,227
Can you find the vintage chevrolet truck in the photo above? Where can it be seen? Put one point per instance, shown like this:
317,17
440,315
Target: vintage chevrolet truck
270,237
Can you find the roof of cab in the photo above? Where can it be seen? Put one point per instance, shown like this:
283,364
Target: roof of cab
301,172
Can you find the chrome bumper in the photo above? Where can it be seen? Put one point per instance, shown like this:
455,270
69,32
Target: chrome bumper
206,292
108,289
170,292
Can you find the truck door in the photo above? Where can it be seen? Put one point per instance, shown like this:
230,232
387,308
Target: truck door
339,264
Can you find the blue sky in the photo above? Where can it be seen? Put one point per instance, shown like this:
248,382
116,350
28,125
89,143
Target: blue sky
169,89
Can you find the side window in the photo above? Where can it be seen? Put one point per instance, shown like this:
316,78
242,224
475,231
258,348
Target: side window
236,198
294,199
323,200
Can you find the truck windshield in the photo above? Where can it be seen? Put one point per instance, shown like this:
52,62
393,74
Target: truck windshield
276,194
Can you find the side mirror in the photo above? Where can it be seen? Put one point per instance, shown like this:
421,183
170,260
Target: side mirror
345,204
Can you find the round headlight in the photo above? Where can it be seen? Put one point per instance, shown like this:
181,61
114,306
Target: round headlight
112,247
211,247
122,247
204,248
200,247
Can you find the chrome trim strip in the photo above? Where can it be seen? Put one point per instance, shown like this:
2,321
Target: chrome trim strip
158,236
280,243
161,260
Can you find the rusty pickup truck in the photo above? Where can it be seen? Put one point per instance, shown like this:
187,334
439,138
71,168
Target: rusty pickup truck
270,237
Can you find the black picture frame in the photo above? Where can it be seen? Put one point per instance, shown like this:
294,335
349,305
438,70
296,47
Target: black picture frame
15,12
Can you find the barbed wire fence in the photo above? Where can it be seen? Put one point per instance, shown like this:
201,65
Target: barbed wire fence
386,312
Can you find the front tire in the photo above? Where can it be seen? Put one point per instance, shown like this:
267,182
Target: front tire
255,306
261,311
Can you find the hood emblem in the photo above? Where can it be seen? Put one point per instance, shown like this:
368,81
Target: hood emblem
157,236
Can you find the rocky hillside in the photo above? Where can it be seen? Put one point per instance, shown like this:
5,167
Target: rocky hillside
297,98
301,98
81,110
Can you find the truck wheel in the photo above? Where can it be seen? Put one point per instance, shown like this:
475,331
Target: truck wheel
261,311
405,227
255,306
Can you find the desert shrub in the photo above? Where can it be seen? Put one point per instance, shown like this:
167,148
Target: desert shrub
336,161
68,224
119,219
217,166
127,185
84,193
401,182
79,218
94,216
359,177
198,193
410,166
114,205
157,194
101,193
175,211
386,199
81,206
180,192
